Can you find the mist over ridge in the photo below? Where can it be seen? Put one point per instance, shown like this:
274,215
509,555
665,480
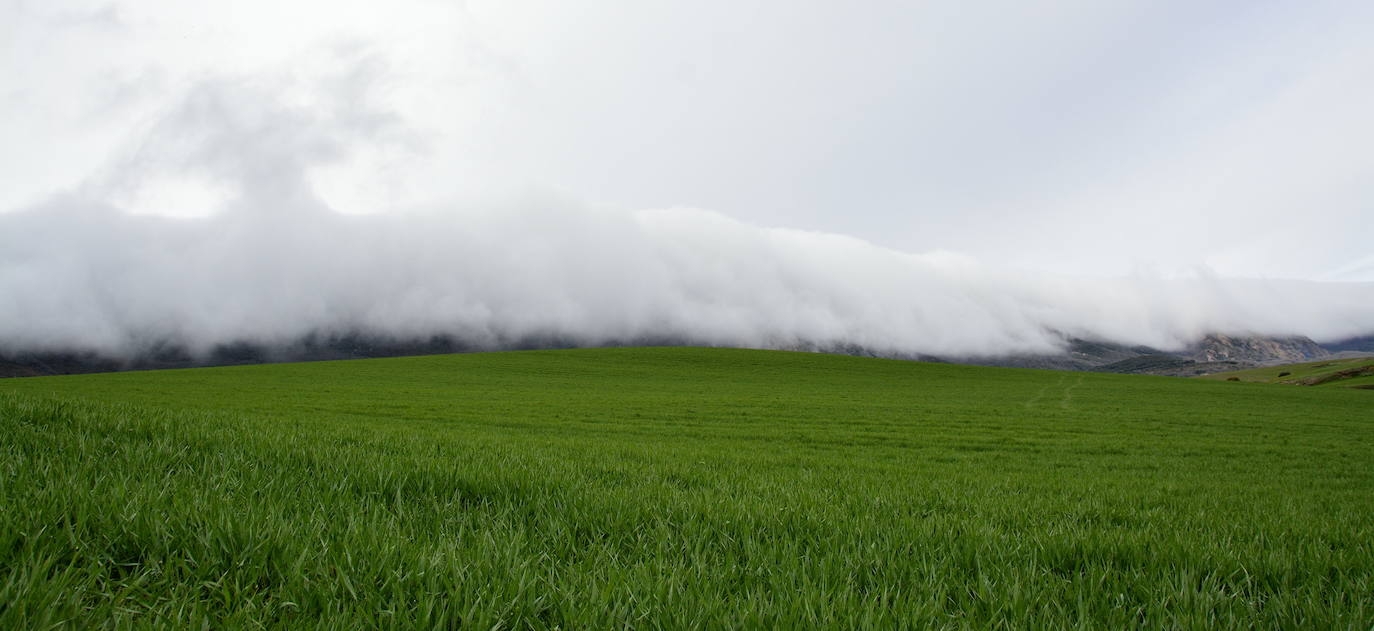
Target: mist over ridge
84,276
267,166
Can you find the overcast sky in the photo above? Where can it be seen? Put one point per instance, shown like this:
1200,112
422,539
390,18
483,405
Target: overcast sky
1130,140
1081,136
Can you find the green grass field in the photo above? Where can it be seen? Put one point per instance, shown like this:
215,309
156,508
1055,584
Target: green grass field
1350,372
681,488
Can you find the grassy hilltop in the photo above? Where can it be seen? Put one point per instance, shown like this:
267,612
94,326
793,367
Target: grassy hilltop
1355,372
681,488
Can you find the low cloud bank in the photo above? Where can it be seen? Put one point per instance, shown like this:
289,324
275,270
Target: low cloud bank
82,275
268,262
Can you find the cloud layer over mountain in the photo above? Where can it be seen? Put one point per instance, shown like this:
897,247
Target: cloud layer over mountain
80,275
177,177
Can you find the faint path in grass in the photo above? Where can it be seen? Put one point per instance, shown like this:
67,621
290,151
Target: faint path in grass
1041,394
1068,393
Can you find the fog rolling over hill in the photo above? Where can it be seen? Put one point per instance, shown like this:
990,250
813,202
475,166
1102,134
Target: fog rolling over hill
82,276
206,222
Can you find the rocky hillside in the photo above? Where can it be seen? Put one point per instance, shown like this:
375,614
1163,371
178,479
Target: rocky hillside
1212,354
1257,350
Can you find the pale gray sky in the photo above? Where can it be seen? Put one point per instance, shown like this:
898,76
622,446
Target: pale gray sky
1079,136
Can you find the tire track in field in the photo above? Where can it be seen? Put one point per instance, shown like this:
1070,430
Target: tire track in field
1068,393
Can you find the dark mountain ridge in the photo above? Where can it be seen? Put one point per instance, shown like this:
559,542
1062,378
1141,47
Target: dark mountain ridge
1212,353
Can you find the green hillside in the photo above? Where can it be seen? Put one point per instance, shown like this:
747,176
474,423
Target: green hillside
680,488
1357,372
